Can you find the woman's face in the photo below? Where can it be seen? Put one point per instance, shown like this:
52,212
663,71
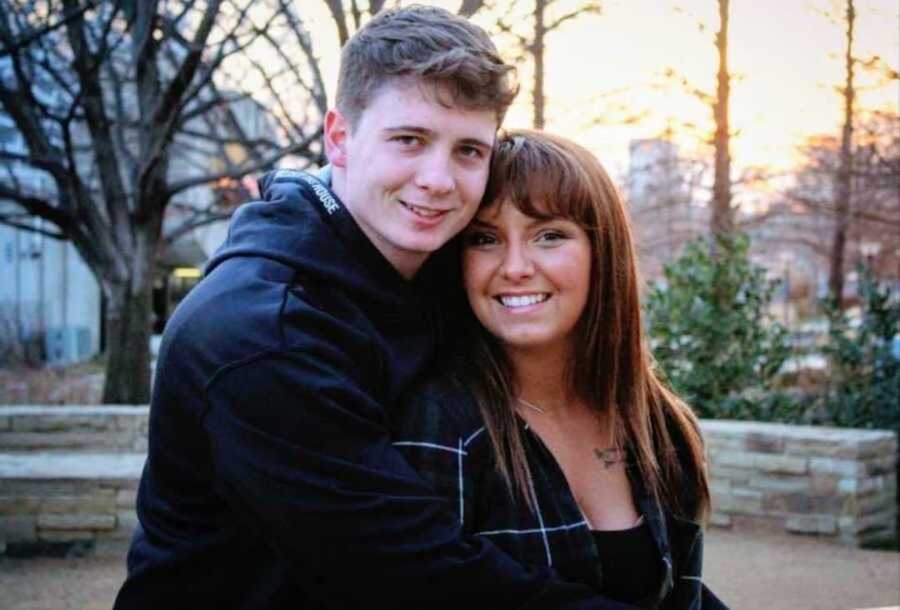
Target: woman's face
527,279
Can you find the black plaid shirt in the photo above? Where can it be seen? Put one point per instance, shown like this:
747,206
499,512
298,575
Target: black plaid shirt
442,435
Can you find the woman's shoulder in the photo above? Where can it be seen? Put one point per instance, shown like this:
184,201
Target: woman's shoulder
439,406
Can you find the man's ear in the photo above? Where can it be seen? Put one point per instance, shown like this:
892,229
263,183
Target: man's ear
337,131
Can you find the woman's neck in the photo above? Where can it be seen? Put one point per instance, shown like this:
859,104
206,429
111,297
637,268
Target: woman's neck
543,378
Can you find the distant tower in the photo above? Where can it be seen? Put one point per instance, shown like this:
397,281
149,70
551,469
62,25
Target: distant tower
652,170
659,203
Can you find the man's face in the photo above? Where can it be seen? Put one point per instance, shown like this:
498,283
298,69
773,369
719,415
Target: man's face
412,172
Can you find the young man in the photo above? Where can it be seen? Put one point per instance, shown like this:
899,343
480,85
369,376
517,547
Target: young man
271,481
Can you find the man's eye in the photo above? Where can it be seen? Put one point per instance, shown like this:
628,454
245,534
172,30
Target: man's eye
479,238
472,152
407,141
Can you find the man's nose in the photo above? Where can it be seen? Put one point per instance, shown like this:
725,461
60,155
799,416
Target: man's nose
435,174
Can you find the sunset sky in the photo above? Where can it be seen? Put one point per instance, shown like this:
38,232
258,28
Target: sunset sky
787,55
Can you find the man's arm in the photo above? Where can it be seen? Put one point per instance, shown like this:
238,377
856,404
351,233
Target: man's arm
305,455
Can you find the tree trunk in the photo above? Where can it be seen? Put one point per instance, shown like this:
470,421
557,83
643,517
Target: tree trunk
128,342
843,185
537,94
722,218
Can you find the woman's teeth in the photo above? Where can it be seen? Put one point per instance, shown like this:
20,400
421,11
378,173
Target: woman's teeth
523,300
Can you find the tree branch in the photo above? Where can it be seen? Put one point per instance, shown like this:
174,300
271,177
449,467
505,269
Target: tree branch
68,15
244,170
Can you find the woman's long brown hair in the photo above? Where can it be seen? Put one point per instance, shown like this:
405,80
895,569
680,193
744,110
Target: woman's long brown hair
612,370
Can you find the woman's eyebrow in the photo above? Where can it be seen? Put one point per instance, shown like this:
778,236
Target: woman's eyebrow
481,223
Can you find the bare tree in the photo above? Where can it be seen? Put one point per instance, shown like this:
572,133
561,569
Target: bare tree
811,206
529,44
350,16
722,220
132,107
722,217
842,177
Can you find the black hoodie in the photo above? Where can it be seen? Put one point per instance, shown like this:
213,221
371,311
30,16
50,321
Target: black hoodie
271,481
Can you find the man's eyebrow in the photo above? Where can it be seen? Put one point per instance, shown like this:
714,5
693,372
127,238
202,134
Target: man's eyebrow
408,128
431,133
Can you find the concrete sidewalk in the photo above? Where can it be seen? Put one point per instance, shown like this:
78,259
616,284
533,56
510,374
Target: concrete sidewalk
750,570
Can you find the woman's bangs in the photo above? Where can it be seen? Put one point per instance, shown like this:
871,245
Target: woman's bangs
541,181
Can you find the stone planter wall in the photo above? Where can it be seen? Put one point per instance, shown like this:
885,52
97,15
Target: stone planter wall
69,474
68,499
74,428
834,482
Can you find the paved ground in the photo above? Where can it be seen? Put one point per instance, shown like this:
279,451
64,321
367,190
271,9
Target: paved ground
750,571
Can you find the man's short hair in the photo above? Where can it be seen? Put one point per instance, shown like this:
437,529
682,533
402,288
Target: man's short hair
430,44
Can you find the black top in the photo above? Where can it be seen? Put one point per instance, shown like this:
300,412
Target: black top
442,434
629,565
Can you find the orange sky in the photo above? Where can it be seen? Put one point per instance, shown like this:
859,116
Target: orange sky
787,55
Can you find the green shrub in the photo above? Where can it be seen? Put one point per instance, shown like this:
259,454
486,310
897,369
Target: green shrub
712,334
863,390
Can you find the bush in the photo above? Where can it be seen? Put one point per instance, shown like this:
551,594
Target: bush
712,334
863,390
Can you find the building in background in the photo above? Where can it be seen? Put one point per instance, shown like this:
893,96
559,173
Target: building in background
51,305
665,215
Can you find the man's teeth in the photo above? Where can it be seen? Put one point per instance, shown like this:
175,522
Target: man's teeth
523,300
424,212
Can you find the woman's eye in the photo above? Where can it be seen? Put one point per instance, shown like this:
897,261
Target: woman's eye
551,236
478,238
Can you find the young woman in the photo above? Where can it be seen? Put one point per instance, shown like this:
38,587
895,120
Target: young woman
552,435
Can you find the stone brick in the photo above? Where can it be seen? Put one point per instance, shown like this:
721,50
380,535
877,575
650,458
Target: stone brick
828,484
19,505
102,502
788,503
886,520
845,468
134,423
739,501
719,519
53,535
885,464
781,483
126,522
725,443
45,487
874,503
737,476
760,442
56,422
868,485
884,445
780,463
812,524
822,447
126,498
21,528
734,459
852,485
76,522
832,505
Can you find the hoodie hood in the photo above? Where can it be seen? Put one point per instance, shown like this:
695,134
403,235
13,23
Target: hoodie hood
300,222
